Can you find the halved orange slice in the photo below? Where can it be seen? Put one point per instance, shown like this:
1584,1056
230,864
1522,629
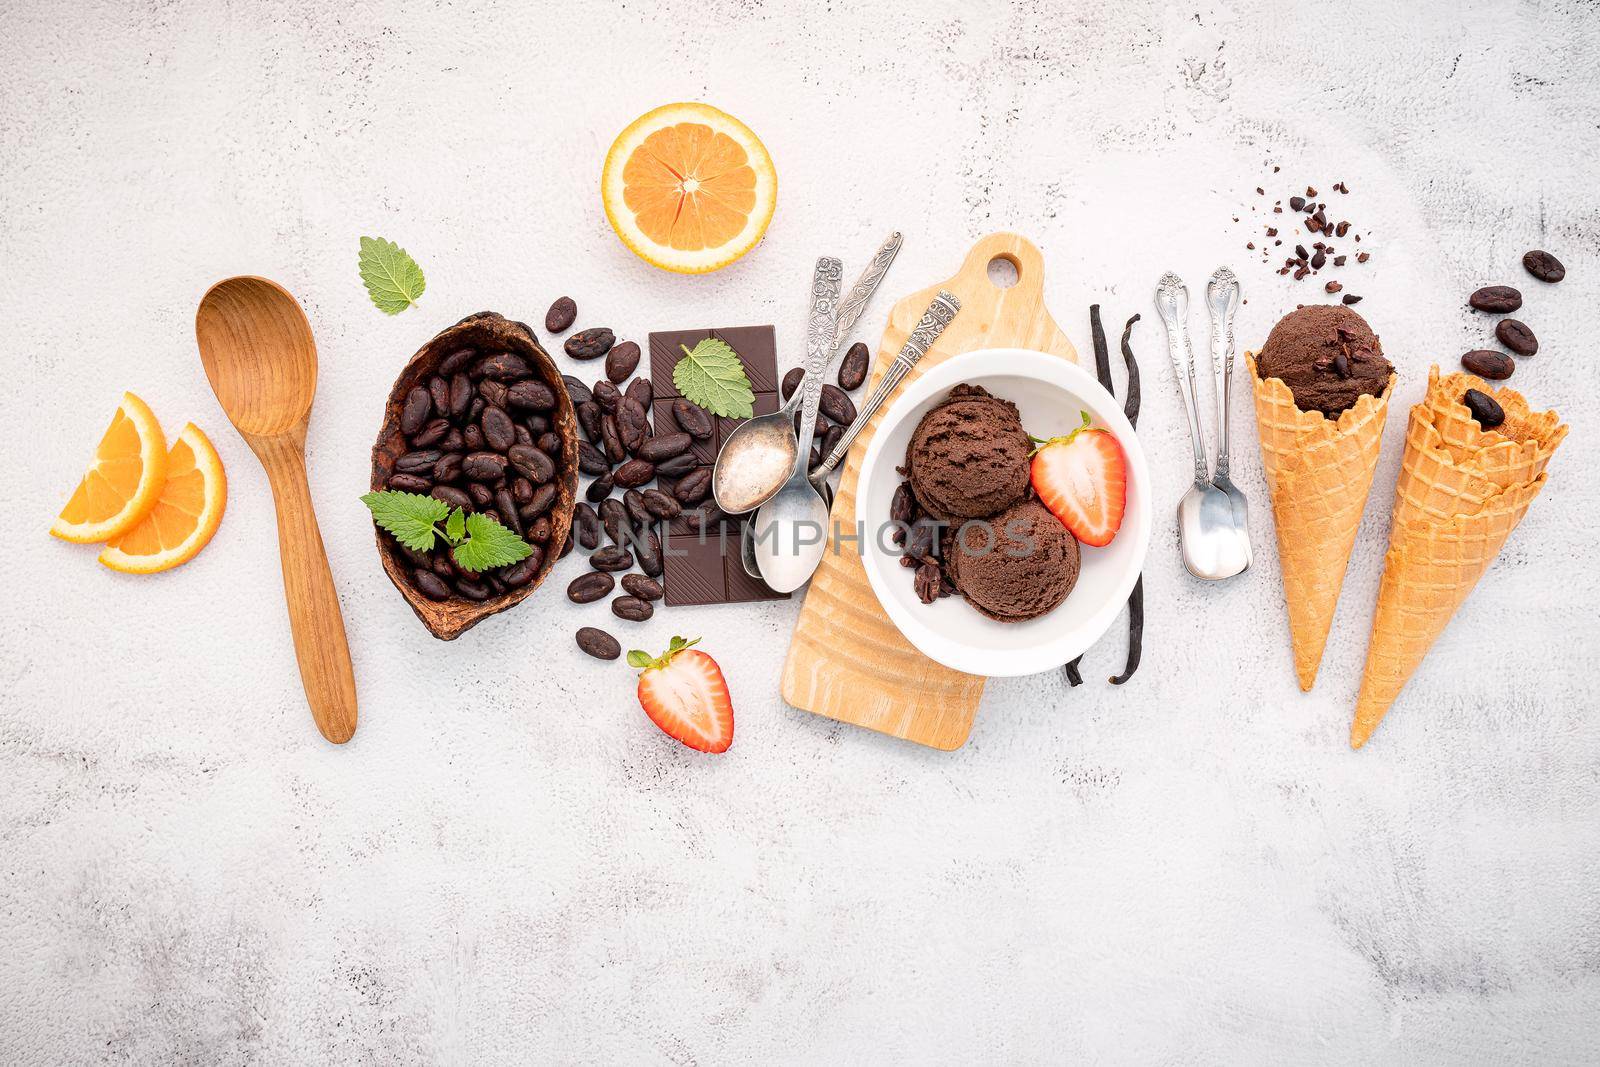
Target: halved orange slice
186,514
122,484
689,188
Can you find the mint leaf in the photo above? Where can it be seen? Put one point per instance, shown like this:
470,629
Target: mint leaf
393,279
711,376
489,545
410,517
456,528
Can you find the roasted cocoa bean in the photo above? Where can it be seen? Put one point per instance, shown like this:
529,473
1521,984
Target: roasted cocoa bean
577,392
536,424
633,423
521,434
439,393
607,395
418,406
656,449
409,483
903,505
677,466
648,548
543,497
472,589
530,395
632,608
521,491
448,469
457,360
591,460
590,344
533,464
927,581
549,444
1515,335
706,517
622,360
418,462
476,408
853,368
507,507
611,558
562,314
599,489
791,381
504,366
633,500
611,440
525,570
590,419
831,439
598,643
1485,409
494,393
693,487
452,496
641,390
589,587
642,587
659,504
472,437
585,526
1496,298
484,466
430,585
836,405
482,496
635,472
460,395
614,517
453,441
498,430
692,419
541,529
431,434
1543,265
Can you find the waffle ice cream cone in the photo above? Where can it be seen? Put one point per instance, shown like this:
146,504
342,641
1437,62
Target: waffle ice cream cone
1318,471
1461,492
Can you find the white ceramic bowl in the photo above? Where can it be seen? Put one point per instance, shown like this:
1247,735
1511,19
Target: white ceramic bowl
1049,393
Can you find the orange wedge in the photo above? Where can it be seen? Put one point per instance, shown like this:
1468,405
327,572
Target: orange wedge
122,484
186,514
689,188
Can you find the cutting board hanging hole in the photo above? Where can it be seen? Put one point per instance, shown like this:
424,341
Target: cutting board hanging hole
1004,272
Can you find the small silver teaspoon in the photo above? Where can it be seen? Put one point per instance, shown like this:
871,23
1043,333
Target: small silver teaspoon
791,529
756,458
1222,300
1206,537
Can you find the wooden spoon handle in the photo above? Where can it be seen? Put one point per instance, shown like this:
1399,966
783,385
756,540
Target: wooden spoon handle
314,616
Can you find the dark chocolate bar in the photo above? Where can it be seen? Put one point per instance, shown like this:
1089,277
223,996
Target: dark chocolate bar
705,567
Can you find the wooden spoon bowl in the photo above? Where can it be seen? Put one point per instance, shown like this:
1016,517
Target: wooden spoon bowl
486,332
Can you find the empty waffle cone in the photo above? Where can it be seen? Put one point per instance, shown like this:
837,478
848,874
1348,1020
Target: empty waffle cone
1319,471
1461,492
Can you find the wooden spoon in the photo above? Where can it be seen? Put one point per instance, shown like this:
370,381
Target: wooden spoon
258,353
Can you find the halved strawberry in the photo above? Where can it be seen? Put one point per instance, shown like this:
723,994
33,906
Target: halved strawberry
1083,479
684,693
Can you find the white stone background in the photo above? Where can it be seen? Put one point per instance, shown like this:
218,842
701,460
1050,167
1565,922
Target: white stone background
508,863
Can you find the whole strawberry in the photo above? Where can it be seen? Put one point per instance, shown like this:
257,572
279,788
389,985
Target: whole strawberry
1082,478
684,693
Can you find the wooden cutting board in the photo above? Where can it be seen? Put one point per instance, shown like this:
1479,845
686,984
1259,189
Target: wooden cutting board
847,661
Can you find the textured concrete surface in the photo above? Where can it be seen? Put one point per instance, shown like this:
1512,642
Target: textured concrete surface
508,864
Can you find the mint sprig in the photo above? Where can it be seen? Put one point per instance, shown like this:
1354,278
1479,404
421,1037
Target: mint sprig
392,277
711,376
477,542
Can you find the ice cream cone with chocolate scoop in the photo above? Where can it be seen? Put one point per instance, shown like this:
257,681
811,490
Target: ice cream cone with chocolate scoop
1322,390
1462,490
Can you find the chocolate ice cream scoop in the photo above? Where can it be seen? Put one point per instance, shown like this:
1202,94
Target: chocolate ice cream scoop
1016,566
969,456
1328,357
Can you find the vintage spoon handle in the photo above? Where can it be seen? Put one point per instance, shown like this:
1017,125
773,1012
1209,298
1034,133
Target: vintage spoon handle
927,331
314,616
1222,300
822,324
855,302
1172,303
